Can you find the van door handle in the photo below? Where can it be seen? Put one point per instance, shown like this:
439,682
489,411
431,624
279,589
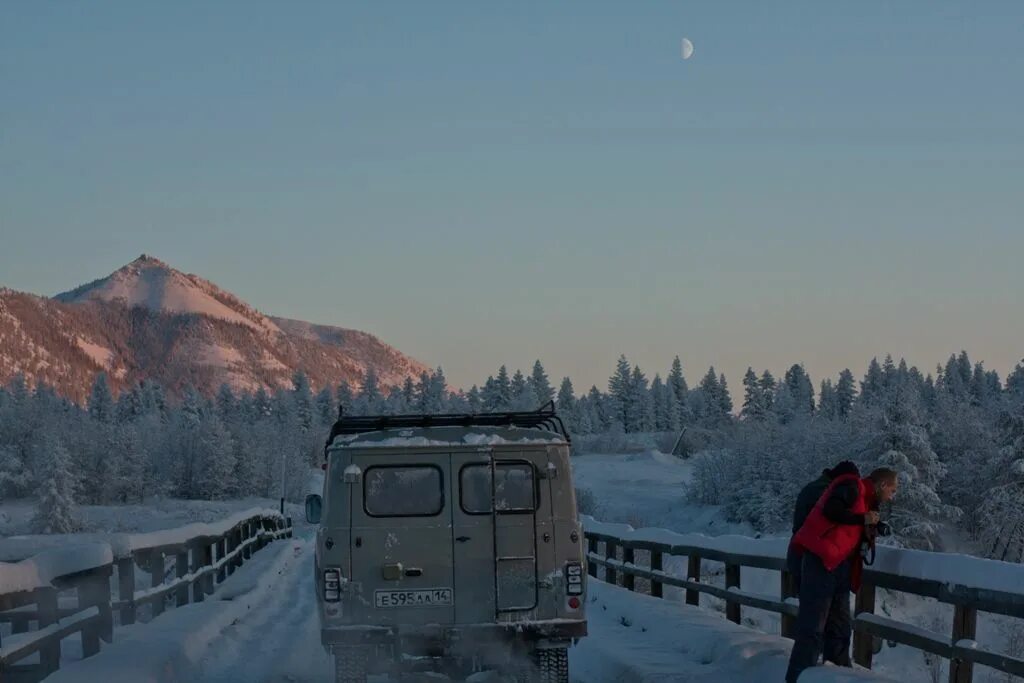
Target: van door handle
414,571
462,539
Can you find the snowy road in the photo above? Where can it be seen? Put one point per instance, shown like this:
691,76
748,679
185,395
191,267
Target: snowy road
261,627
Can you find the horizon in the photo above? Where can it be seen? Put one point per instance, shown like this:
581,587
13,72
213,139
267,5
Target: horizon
816,185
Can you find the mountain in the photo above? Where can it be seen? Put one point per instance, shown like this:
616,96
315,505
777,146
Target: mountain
150,321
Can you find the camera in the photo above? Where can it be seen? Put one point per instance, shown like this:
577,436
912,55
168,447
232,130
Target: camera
883,529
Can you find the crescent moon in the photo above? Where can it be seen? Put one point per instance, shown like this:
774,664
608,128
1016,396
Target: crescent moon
687,48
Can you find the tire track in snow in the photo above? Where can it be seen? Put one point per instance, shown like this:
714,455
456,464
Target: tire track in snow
278,641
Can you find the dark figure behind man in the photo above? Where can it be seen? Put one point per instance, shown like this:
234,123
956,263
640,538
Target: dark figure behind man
805,502
829,541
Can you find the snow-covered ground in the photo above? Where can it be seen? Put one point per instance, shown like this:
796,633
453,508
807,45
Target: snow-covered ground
261,626
647,490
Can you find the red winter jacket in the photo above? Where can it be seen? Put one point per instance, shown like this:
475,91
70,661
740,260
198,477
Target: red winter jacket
833,542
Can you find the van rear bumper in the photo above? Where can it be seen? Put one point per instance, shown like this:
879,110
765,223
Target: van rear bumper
551,630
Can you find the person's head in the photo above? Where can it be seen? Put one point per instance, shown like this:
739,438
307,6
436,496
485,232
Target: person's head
885,481
845,467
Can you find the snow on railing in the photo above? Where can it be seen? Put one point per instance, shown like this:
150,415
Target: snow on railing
204,555
969,584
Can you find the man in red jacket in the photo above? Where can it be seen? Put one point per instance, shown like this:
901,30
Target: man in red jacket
830,542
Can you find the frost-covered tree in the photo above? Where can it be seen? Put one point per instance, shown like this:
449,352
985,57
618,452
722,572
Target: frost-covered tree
620,394
846,393
55,511
540,384
755,402
101,402
801,390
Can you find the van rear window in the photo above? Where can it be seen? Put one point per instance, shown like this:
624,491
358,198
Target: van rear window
403,491
514,489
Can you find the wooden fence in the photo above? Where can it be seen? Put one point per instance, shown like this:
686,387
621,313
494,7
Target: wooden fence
82,602
616,554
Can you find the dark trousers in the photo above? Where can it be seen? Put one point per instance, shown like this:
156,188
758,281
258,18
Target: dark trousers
823,625
794,562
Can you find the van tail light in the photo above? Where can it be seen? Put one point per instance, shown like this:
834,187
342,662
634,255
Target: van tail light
332,585
574,578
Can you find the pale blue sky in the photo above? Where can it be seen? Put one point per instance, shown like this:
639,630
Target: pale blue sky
820,183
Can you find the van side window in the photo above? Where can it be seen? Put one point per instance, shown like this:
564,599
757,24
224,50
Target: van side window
403,491
514,488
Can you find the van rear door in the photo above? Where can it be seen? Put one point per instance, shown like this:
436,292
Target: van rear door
400,540
494,533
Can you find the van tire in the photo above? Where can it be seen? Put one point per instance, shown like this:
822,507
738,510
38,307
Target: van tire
350,665
553,665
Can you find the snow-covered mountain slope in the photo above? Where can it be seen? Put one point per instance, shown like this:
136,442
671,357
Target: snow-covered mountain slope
152,284
150,321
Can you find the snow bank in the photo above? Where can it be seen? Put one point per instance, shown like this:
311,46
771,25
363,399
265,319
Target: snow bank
635,637
124,544
39,570
951,569
772,548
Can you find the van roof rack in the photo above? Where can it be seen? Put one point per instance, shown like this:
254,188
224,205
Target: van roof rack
543,418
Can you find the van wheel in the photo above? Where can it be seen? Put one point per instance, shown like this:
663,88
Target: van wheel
553,665
349,665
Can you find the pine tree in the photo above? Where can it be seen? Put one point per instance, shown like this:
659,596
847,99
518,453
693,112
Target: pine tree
503,390
474,400
302,401
620,394
800,389
659,404
846,393
827,404
872,388
724,399
369,398
325,409
754,404
55,512
101,403
541,385
640,417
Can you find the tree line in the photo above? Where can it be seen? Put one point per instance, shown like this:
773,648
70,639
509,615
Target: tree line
956,436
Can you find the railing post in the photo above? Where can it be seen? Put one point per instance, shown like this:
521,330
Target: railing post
965,625
863,645
787,590
610,553
693,574
222,573
628,557
288,525
732,580
232,545
246,535
94,591
197,563
49,654
657,588
208,579
19,624
180,570
156,578
591,550
126,589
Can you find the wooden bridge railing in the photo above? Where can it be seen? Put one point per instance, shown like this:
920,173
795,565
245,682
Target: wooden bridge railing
63,593
997,589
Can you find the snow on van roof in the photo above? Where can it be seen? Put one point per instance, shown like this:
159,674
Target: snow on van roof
449,436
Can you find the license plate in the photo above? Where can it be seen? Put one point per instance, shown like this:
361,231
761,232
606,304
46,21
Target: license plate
428,597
